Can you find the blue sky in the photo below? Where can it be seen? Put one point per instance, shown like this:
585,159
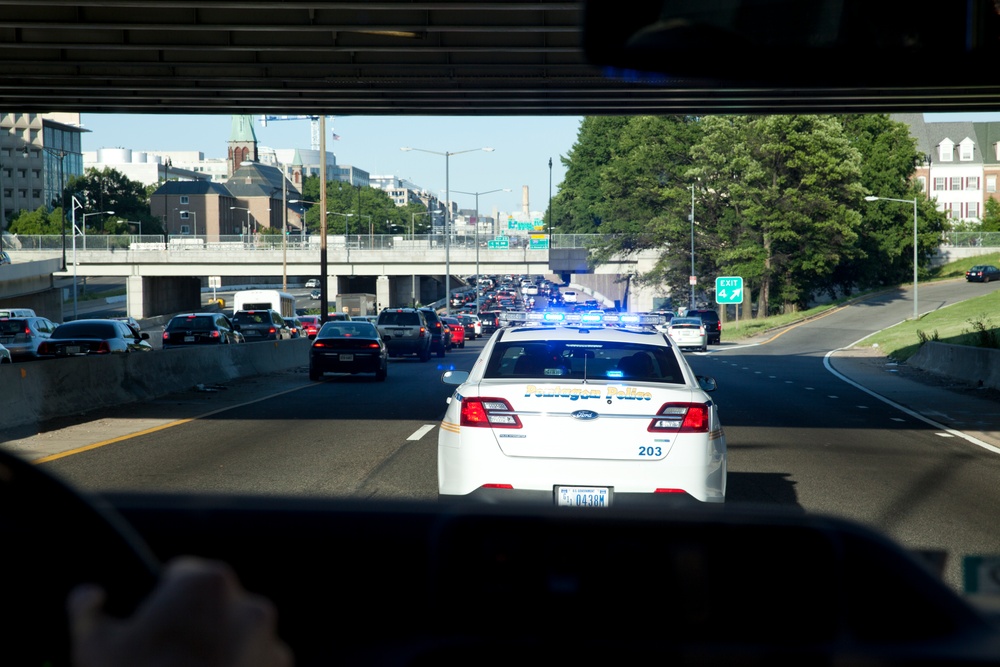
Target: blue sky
523,146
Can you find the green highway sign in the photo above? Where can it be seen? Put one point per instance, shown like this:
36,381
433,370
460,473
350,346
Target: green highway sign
729,289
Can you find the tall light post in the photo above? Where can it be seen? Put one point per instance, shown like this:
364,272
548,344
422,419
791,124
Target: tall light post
914,202
248,228
75,203
194,214
413,217
447,220
87,215
488,192
691,280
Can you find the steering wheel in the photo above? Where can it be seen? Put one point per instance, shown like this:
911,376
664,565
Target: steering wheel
53,539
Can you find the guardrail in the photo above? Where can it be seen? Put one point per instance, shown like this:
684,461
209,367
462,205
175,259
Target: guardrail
188,243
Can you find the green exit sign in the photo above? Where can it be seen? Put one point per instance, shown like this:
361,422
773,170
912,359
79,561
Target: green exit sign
729,289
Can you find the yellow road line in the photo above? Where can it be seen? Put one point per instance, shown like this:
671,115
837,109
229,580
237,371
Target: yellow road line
162,427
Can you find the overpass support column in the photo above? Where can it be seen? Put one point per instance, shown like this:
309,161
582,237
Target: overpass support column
133,297
382,292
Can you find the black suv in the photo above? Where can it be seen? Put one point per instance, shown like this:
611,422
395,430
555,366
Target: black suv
713,325
199,329
258,325
440,333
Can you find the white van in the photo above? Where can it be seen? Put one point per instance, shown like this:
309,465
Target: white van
569,296
17,312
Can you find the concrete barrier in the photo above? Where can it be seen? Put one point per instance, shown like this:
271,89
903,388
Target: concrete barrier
977,365
36,391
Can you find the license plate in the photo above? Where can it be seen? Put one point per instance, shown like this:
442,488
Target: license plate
72,349
583,496
188,339
347,357
7,339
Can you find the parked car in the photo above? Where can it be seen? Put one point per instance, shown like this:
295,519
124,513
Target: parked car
982,273
312,282
22,335
457,331
93,337
258,325
311,325
200,329
405,332
713,325
348,347
440,334
688,332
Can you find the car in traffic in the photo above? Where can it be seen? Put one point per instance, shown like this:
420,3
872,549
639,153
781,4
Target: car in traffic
131,321
348,347
315,295
713,324
261,325
473,325
22,335
5,357
440,334
294,325
93,337
982,273
310,324
489,321
405,332
206,328
457,331
561,411
688,332
312,282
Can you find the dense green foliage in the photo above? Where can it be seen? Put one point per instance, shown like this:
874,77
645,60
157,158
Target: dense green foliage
778,200
97,190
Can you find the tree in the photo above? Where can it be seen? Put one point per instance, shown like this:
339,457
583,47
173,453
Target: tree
111,190
358,201
991,217
889,160
41,221
783,194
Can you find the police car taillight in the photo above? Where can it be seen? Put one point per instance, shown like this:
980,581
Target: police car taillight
680,418
489,413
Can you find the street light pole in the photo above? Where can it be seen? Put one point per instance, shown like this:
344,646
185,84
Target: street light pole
61,155
447,220
195,215
692,248
84,230
914,202
488,192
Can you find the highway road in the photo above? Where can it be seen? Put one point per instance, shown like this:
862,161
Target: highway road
798,437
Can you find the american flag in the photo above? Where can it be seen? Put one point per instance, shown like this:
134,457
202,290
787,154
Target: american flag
336,137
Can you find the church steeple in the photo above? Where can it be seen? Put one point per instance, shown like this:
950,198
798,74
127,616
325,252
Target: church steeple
242,143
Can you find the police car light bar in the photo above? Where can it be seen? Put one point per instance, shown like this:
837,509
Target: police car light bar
593,319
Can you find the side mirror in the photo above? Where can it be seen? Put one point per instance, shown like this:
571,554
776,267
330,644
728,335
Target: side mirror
707,382
454,377
386,337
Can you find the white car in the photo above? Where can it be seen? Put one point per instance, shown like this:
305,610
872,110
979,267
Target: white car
688,332
312,282
569,296
575,409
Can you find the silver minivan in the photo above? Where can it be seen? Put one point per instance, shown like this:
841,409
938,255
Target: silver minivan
22,335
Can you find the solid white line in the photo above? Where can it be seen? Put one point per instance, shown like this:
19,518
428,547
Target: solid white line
421,432
917,415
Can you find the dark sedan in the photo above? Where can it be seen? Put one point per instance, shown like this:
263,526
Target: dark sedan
93,337
348,347
982,273
199,329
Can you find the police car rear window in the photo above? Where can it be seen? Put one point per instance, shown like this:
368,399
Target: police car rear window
595,361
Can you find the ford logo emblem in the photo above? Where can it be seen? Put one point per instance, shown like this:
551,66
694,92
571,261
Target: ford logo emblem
585,415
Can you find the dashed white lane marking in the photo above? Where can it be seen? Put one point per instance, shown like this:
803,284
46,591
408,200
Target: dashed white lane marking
421,432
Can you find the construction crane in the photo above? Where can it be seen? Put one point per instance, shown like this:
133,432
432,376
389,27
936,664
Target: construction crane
313,127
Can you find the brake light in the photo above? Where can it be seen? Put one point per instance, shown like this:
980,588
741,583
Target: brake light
373,346
423,332
319,343
488,413
103,348
271,330
680,418
166,335
214,334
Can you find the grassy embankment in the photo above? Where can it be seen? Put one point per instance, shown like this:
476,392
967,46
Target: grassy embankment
970,322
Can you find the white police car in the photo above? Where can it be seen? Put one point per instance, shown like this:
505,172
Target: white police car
581,410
